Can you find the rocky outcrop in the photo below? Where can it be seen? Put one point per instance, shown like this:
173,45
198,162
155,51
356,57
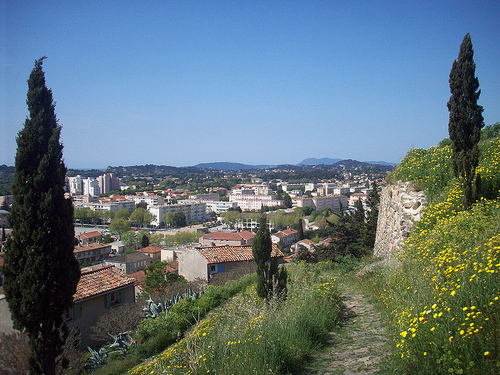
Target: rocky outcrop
400,207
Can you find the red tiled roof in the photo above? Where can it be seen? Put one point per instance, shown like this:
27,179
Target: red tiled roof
89,235
222,254
229,236
288,232
151,249
90,246
306,241
139,276
100,279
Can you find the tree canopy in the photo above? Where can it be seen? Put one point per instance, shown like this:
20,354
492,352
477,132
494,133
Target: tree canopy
466,119
41,272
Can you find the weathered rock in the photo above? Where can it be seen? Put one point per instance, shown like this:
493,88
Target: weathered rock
400,207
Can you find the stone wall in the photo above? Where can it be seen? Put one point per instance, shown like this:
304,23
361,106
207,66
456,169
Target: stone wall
400,207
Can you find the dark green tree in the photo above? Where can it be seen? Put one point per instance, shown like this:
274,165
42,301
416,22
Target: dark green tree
371,224
271,279
261,250
466,119
41,272
144,241
287,201
300,230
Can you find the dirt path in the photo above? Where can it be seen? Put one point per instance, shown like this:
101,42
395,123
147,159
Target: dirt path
360,344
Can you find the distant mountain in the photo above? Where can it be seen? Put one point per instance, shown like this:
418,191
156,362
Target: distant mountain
328,161
323,161
225,166
381,163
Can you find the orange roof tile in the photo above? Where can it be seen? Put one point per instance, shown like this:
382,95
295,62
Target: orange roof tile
229,236
151,249
289,231
90,246
222,254
97,280
89,235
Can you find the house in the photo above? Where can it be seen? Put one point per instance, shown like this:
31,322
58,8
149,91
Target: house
305,243
92,253
227,238
90,237
203,262
154,252
286,237
130,263
100,289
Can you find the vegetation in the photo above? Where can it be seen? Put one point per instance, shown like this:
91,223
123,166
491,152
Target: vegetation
159,279
41,272
444,296
271,280
466,119
251,336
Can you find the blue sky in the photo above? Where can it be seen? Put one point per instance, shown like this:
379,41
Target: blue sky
257,82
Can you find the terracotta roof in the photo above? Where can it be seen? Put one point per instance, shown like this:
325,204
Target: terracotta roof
289,231
90,246
128,258
223,254
306,241
151,249
97,280
279,235
229,236
139,276
89,235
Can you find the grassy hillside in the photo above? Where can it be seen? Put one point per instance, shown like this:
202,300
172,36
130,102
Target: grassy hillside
229,330
444,299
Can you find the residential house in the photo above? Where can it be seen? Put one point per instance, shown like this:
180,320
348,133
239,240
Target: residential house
286,237
92,253
100,289
305,243
130,263
227,238
204,262
154,252
90,237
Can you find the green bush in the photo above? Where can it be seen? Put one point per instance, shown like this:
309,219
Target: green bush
251,336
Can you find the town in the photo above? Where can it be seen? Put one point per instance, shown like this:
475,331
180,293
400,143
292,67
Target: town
201,232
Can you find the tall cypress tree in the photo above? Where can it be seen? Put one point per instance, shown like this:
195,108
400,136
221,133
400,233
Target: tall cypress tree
261,251
466,119
41,272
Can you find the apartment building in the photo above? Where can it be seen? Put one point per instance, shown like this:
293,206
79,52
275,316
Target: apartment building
318,203
194,211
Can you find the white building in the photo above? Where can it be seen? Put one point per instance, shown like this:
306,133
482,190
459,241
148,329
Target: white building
219,206
318,203
91,187
194,211
75,185
249,202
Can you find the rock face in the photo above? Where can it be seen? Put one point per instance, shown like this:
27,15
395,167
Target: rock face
400,207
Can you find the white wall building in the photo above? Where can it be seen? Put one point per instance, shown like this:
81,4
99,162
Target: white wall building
194,211
319,203
91,187
75,185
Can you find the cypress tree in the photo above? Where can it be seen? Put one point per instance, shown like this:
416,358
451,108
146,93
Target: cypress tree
466,119
300,231
41,272
371,225
261,251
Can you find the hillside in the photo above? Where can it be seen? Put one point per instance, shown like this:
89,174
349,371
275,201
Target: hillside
443,293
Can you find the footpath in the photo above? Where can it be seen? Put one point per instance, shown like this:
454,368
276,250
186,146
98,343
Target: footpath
359,345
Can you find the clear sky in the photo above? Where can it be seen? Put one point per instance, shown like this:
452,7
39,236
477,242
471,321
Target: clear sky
257,82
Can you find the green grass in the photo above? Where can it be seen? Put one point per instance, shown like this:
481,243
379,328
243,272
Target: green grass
444,298
249,336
